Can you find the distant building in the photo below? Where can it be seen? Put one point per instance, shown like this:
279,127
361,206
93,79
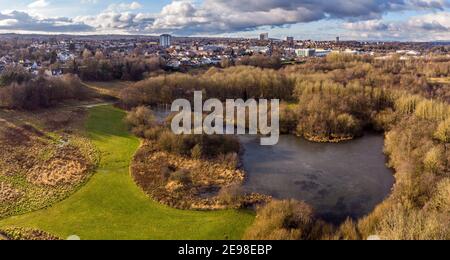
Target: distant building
305,52
409,52
53,72
338,39
165,40
322,53
352,52
259,49
290,40
264,36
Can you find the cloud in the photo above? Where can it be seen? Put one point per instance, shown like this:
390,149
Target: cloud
220,16
121,7
428,27
209,17
39,4
89,1
111,21
22,21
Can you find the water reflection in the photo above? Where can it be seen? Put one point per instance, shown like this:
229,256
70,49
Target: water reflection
339,180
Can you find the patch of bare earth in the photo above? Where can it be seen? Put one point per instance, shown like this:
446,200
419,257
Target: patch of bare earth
187,183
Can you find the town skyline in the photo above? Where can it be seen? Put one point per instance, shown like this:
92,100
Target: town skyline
364,20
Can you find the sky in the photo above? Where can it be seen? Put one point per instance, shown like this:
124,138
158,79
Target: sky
402,20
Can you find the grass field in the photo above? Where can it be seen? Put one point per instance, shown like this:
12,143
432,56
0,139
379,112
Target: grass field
111,206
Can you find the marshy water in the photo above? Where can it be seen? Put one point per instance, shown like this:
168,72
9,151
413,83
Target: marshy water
339,180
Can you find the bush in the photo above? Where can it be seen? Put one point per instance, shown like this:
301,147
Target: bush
441,199
14,74
401,224
230,160
282,220
141,120
434,159
197,146
197,152
231,195
348,231
182,177
288,119
443,131
384,120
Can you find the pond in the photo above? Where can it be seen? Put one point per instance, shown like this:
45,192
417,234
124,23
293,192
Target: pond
342,180
339,180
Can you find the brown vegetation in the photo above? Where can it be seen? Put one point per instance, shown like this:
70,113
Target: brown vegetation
97,67
336,99
235,82
287,220
188,172
183,182
26,234
20,92
38,167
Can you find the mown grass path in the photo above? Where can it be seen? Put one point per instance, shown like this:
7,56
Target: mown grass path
111,206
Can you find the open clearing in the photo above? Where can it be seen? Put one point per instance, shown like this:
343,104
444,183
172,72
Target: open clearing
111,206
111,89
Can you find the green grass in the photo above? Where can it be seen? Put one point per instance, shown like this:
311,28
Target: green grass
111,206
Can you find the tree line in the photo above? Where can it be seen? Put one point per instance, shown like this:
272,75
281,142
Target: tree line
21,90
97,67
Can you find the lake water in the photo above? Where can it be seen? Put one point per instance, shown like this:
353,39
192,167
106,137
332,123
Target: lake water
339,180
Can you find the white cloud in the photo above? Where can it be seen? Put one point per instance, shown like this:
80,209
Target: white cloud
121,7
210,17
428,27
115,22
39,4
89,1
22,21
224,16
8,22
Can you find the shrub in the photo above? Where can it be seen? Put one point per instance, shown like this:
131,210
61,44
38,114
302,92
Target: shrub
288,119
434,159
231,195
14,74
441,199
443,131
282,220
230,160
384,120
197,152
348,231
401,224
407,104
181,176
432,110
141,119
